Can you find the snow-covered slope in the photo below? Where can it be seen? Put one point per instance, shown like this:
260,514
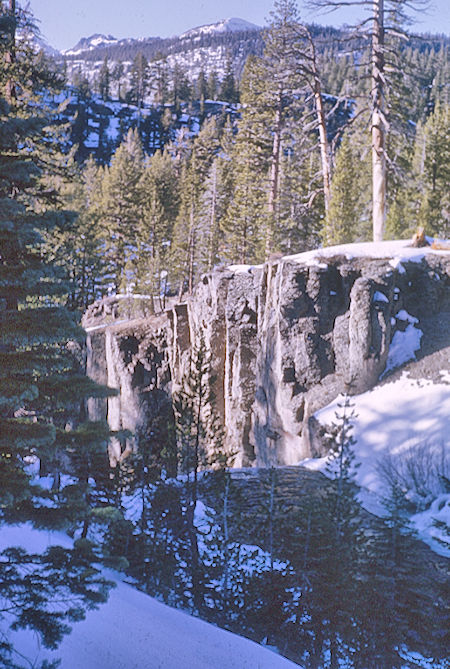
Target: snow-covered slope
401,426
134,631
90,43
226,25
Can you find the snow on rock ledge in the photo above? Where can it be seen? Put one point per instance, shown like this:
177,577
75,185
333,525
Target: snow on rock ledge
285,339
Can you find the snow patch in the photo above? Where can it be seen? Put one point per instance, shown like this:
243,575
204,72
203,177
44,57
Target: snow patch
398,251
391,421
403,347
146,633
380,297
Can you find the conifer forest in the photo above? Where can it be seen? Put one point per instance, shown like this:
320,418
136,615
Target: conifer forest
125,171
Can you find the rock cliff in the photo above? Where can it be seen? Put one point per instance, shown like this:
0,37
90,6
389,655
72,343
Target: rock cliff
284,339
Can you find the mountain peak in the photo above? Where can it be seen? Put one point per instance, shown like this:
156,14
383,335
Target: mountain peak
225,25
89,43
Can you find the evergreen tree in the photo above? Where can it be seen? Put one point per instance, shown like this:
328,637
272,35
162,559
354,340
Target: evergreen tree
228,88
117,75
181,89
243,225
160,79
342,219
213,85
197,433
139,82
433,172
38,383
330,552
160,203
188,253
201,88
121,210
385,20
396,612
74,244
104,79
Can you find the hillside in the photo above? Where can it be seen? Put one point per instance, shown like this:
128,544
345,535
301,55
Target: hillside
135,631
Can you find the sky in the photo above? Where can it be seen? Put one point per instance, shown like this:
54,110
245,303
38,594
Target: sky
64,23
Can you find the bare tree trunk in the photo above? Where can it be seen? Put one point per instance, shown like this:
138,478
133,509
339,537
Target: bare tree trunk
191,251
320,113
324,151
274,173
378,123
212,218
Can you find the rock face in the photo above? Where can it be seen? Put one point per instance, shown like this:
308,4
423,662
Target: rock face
284,339
129,351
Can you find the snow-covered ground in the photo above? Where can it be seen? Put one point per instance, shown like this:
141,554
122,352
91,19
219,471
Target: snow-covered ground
135,631
397,423
397,251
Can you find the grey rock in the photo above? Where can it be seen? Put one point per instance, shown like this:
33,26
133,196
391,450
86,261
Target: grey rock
283,339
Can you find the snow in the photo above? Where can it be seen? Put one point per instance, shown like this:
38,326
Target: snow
89,43
239,269
248,557
398,250
380,297
225,25
92,140
404,344
394,421
424,524
113,128
135,631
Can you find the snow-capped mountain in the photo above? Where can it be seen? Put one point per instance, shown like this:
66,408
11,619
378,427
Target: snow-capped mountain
100,41
225,25
90,43
206,48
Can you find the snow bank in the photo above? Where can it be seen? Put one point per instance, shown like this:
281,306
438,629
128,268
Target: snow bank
398,251
134,631
404,344
392,420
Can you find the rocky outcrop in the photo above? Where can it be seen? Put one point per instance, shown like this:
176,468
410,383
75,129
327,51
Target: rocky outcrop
283,339
129,351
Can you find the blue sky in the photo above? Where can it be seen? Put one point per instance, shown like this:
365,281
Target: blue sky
63,22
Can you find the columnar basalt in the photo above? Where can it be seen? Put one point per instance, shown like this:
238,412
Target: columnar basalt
283,339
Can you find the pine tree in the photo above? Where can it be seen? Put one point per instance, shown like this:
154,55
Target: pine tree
38,386
330,555
341,226
385,21
74,244
104,79
213,85
160,79
139,82
244,223
432,161
198,432
121,210
181,89
117,75
160,203
188,254
395,606
228,88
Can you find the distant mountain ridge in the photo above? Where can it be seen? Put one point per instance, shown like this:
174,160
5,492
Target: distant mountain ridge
99,41
225,25
89,43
